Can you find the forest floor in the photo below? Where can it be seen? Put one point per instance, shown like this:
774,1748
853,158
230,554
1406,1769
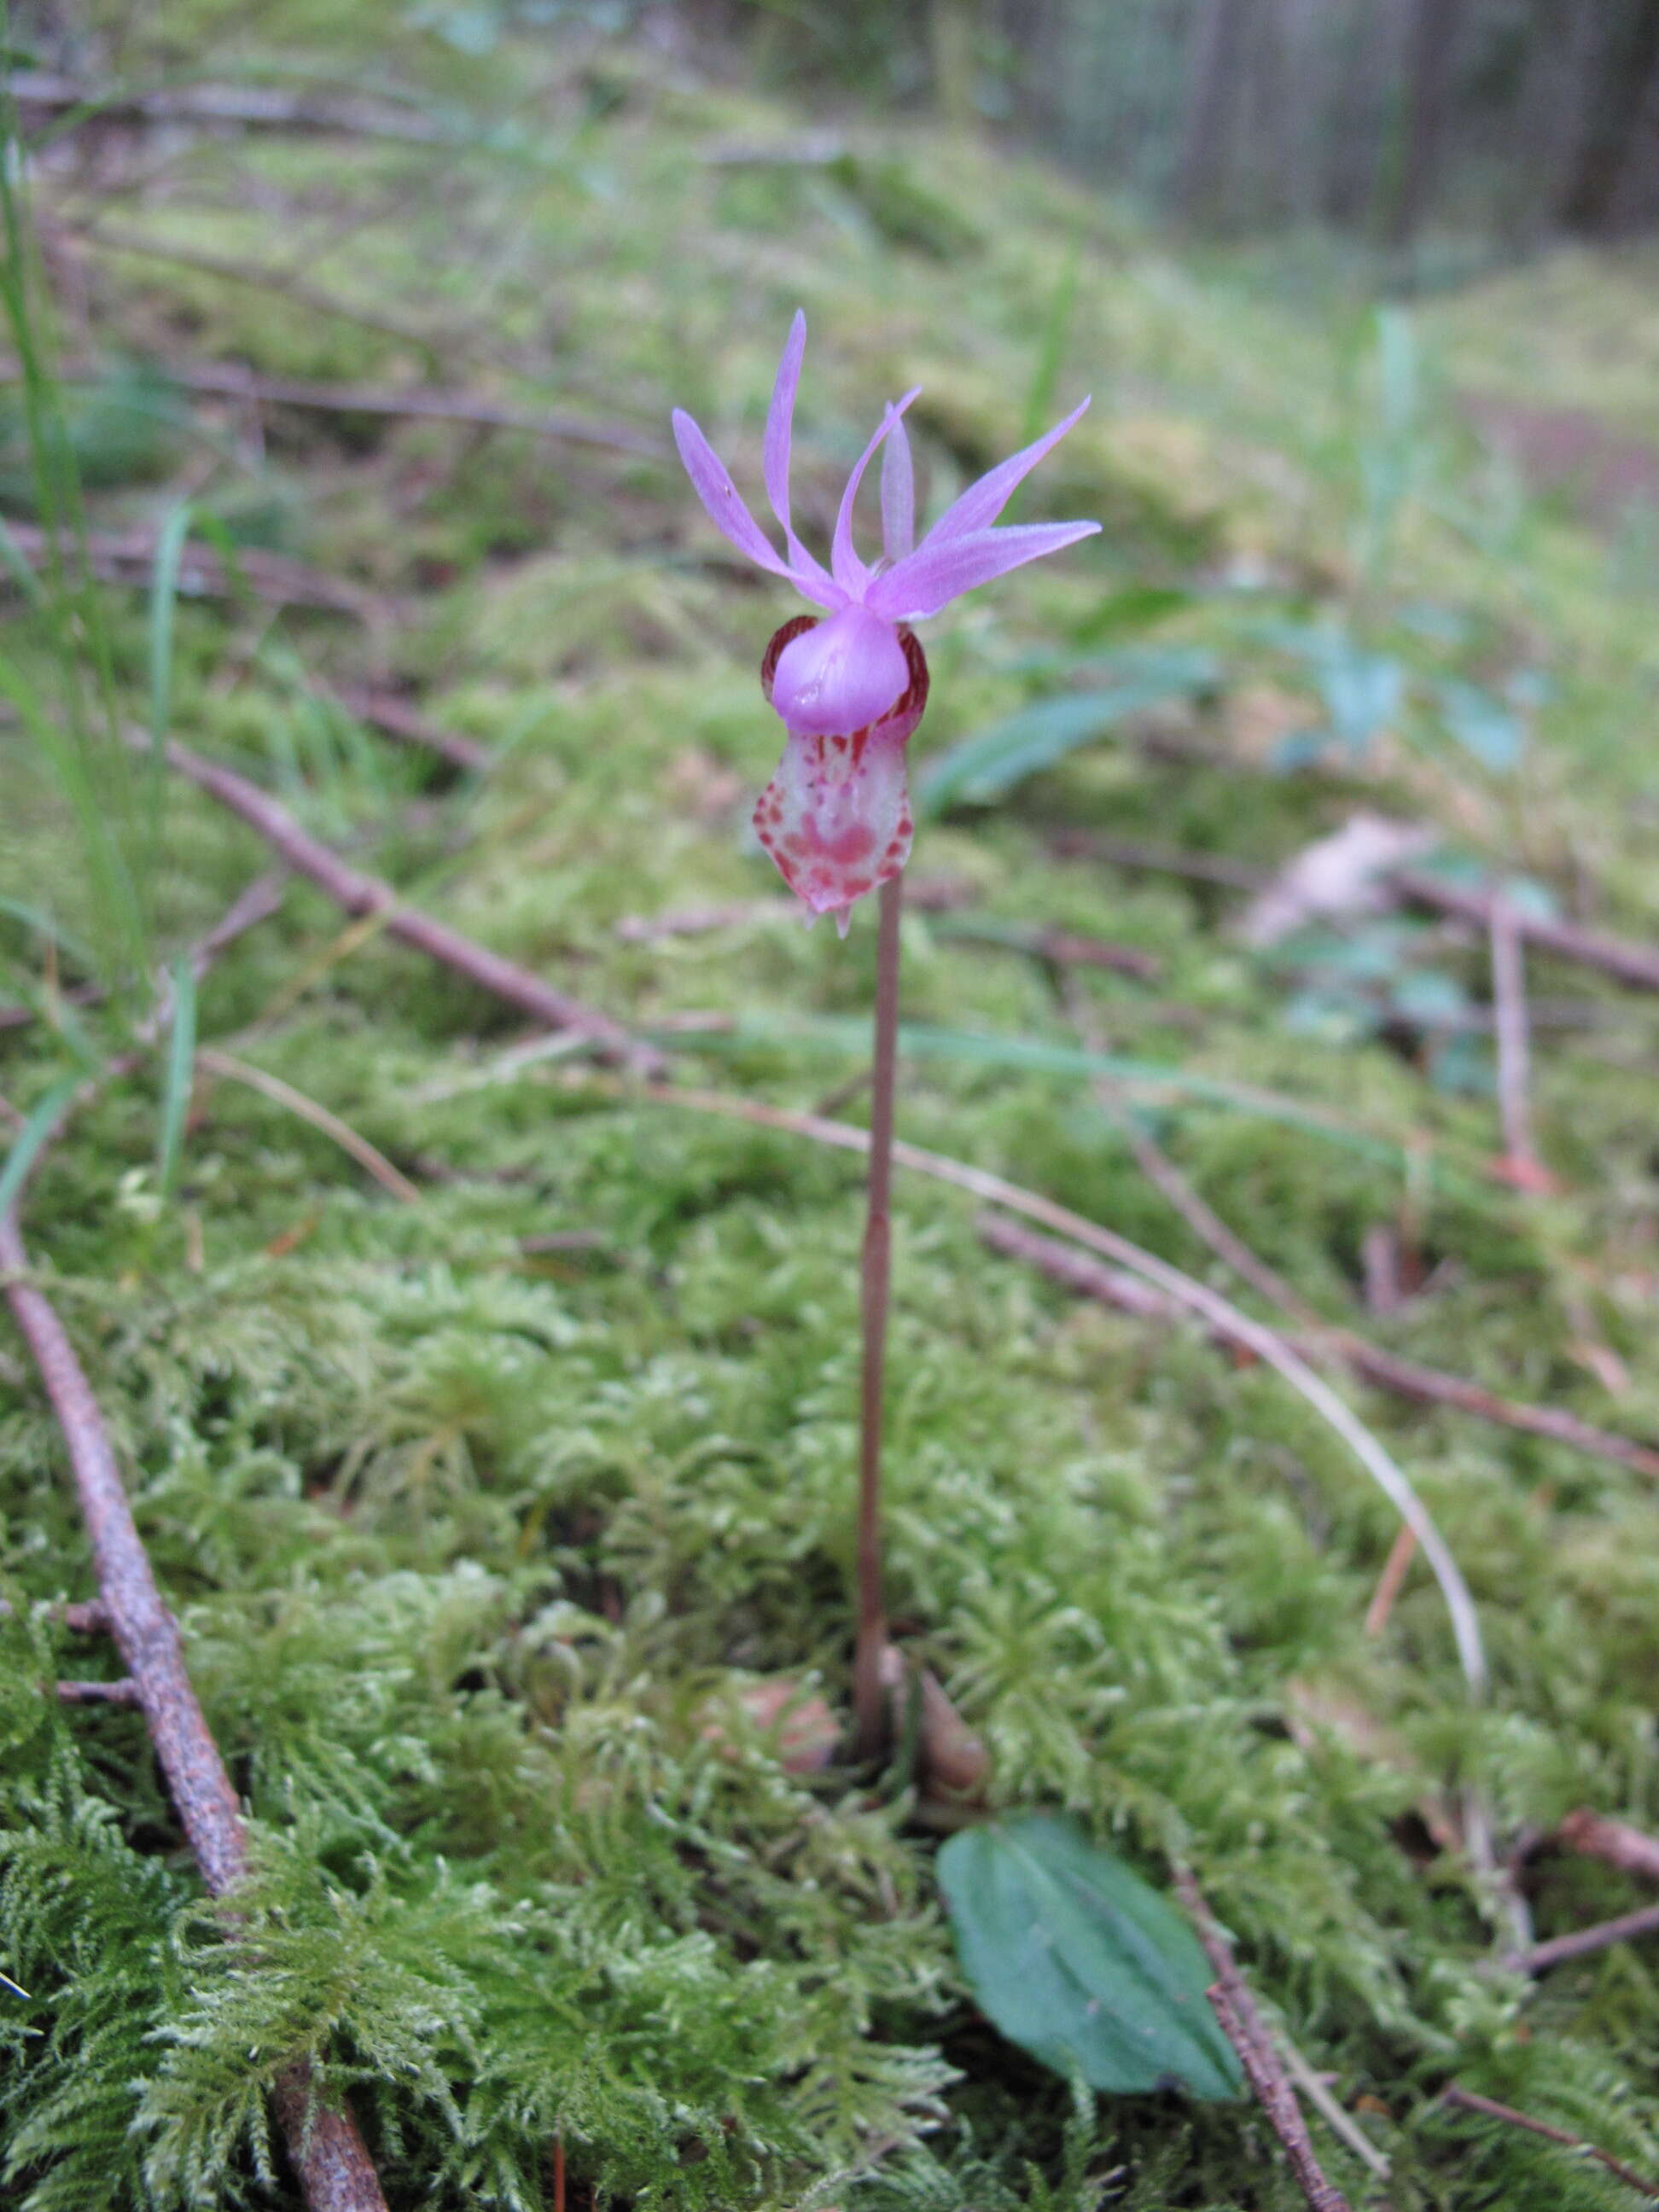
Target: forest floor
489,1412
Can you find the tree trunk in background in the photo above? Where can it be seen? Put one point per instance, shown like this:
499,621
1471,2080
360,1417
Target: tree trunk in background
954,28
1218,50
1431,40
1629,66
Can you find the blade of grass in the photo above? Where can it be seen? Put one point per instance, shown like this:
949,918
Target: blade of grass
163,604
181,1067
29,1138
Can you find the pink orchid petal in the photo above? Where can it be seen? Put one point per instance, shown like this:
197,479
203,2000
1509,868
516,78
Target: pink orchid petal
836,818
712,481
850,572
780,432
898,496
980,504
935,574
840,674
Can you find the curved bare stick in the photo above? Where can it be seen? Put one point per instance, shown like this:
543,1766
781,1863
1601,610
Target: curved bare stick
361,893
327,2152
1221,1314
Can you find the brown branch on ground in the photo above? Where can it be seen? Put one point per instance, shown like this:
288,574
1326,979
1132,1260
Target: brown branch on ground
327,2152
1243,2027
246,105
1161,1171
369,1156
1064,948
1615,1842
359,894
79,1619
1466,2100
1582,1943
256,904
1636,966
404,725
416,403
1403,1378
280,281
1401,1552
1160,859
128,556
123,1692
1267,1344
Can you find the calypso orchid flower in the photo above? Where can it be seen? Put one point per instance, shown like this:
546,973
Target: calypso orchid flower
850,686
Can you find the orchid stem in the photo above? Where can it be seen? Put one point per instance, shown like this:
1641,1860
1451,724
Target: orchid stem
868,1704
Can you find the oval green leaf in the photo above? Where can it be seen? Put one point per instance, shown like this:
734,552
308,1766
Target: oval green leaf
1073,1957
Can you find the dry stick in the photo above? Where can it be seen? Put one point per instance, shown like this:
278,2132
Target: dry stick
256,904
869,1701
385,712
1636,966
125,556
79,1619
367,1157
1242,2026
1466,2100
1615,1842
1403,1378
279,280
252,107
124,1692
327,2152
1265,1343
363,895
1540,1957
419,404
1161,1171
1401,1552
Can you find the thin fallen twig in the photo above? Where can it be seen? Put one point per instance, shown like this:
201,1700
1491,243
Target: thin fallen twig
1401,1552
367,1157
1614,1842
1582,1942
406,725
256,904
79,1619
1161,1171
1267,1344
360,894
1160,859
1468,2101
323,2142
417,403
1243,2027
251,107
122,1692
128,556
1636,966
1403,1378
281,282
1063,948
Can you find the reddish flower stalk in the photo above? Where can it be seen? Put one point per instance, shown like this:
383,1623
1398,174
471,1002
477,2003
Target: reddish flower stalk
850,686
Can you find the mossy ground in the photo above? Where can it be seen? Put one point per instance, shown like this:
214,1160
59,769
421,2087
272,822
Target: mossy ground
475,1544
